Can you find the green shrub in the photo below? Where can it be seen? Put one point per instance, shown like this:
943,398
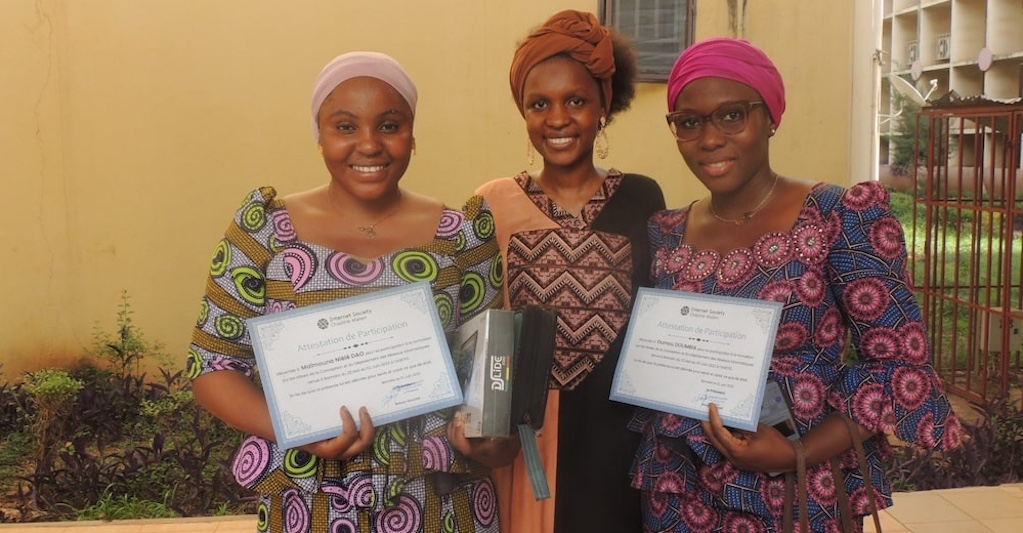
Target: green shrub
120,445
15,407
127,347
908,141
991,454
53,393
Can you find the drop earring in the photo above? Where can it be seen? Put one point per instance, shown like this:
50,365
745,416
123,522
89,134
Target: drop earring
530,153
602,146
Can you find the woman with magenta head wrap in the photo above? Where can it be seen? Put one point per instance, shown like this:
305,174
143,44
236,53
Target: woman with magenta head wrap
836,259
573,236
357,233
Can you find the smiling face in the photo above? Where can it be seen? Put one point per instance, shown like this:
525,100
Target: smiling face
366,137
725,162
562,108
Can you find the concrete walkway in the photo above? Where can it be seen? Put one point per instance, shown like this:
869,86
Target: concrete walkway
969,510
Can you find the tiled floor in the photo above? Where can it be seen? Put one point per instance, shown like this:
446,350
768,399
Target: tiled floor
970,510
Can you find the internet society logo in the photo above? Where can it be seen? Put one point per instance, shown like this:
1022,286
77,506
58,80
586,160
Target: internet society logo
684,310
322,323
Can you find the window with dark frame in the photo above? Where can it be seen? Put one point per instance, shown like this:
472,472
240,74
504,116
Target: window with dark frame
661,29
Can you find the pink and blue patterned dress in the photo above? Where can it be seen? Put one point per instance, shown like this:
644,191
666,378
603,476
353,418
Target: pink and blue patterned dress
841,269
411,479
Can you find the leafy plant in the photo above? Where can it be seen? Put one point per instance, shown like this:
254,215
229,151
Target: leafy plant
906,151
124,446
909,138
127,347
902,208
14,448
53,393
991,454
171,453
15,408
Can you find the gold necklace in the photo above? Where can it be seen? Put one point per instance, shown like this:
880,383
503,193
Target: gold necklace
369,230
748,215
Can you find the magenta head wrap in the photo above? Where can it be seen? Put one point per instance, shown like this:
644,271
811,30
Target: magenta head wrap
361,64
731,59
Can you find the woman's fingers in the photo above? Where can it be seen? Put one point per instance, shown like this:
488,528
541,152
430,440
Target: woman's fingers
456,435
351,442
364,438
725,440
492,452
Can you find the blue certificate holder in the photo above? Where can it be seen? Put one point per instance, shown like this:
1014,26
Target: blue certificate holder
385,350
684,351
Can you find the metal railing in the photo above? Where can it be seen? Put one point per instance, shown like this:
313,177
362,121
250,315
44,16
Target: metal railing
966,246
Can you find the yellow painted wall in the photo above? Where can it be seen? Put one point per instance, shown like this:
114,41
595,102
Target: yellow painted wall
130,130
810,41
37,319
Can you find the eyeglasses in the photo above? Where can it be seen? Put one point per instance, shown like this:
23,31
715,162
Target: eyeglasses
728,119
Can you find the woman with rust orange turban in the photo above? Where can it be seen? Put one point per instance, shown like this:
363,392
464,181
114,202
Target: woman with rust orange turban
573,237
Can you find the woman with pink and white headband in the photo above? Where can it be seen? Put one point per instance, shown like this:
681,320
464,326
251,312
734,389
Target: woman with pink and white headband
357,233
836,259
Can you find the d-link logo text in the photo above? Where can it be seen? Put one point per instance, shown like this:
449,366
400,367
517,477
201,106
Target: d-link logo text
497,367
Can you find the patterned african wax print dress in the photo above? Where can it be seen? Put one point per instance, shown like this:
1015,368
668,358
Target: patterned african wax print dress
841,269
260,267
587,267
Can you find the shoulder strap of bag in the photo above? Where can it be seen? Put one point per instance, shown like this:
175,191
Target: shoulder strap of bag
861,456
844,506
796,482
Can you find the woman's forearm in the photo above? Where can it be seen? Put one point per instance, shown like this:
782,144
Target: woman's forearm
233,398
829,439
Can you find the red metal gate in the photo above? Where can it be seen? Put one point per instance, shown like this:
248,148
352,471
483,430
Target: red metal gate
965,244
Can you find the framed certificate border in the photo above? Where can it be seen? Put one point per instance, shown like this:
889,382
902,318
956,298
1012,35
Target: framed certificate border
685,350
391,340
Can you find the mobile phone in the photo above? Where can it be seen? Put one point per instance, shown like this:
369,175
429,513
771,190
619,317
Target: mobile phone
775,412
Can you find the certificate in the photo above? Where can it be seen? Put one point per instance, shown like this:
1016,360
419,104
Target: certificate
385,350
684,350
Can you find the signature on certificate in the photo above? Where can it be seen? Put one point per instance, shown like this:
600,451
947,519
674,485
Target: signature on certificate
402,391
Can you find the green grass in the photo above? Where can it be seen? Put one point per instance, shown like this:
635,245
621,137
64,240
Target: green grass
124,507
13,450
968,263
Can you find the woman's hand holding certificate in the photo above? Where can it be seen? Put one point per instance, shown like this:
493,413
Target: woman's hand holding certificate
384,350
684,351
353,440
765,450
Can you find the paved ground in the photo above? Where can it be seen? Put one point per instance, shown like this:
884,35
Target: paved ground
969,510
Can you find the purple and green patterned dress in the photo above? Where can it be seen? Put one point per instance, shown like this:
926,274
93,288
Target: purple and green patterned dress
840,270
261,267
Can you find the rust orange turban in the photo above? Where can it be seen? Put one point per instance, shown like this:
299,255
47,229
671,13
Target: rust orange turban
576,33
